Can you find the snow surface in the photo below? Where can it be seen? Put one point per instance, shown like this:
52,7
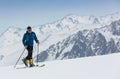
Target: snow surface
98,67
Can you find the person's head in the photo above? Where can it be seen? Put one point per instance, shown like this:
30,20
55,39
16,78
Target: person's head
29,29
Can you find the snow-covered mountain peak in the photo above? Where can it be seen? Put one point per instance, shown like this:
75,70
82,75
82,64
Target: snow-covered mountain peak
76,19
107,19
91,19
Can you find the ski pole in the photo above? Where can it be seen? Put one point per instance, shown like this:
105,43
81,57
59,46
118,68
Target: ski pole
19,59
37,53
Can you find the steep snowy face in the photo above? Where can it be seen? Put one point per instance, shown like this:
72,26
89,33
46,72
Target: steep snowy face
115,28
85,43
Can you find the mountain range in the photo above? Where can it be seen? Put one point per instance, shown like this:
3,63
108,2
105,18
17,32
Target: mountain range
73,36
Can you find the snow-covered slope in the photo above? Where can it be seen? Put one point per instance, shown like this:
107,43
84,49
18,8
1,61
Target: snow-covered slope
48,34
99,67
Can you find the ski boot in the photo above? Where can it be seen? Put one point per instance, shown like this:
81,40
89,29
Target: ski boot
31,63
25,61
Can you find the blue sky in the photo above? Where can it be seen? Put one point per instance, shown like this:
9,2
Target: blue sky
21,13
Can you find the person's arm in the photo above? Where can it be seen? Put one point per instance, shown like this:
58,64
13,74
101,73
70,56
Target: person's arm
24,40
36,39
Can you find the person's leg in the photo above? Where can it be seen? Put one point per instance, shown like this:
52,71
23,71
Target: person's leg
30,51
30,56
25,60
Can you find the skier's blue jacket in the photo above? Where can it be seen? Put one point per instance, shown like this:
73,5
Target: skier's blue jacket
28,39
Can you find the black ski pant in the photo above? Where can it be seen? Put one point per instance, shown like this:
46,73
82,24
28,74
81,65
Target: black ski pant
30,52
